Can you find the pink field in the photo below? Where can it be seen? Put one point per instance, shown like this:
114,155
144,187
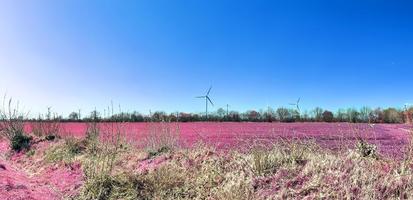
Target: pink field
390,138
54,181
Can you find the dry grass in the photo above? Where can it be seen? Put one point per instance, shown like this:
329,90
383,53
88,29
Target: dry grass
283,172
161,138
11,120
47,126
12,126
286,170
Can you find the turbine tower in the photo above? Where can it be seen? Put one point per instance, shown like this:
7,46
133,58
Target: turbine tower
227,110
297,105
207,99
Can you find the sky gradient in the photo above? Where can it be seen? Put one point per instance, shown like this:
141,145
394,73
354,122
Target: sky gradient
159,55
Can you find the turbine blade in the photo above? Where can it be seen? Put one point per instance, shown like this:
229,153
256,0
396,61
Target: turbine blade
210,101
298,101
200,97
209,91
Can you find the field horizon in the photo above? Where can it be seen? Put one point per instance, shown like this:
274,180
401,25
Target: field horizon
206,100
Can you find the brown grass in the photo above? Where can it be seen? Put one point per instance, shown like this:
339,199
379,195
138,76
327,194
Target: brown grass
287,170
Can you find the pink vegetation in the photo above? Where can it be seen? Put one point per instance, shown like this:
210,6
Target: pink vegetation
55,182
48,182
390,138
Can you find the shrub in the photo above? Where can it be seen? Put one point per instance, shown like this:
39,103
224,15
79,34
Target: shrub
365,149
98,187
328,116
50,137
20,142
164,183
30,153
12,127
67,151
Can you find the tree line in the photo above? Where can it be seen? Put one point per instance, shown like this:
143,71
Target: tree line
351,115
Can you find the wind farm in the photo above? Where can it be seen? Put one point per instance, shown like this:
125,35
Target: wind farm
206,100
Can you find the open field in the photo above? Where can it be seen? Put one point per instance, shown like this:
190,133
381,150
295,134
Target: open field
206,100
211,161
390,138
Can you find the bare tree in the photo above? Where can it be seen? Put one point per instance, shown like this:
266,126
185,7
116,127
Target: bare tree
283,114
318,113
365,113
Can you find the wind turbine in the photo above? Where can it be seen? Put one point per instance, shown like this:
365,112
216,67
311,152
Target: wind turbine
206,101
297,105
227,110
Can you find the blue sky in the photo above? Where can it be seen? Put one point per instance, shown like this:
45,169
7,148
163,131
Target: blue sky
159,55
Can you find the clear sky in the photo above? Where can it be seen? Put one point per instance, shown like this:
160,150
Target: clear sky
159,55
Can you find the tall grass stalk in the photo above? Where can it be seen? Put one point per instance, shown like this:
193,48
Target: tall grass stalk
162,137
47,126
106,141
11,120
12,125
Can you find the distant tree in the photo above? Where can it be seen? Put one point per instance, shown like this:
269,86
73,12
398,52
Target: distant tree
318,113
73,116
136,117
159,116
49,114
391,115
328,116
365,114
172,118
295,115
185,117
253,115
196,117
269,115
352,115
283,114
341,115
377,116
94,115
234,116
221,112
306,117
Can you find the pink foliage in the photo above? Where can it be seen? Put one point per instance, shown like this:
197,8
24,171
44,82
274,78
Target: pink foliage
390,138
51,182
